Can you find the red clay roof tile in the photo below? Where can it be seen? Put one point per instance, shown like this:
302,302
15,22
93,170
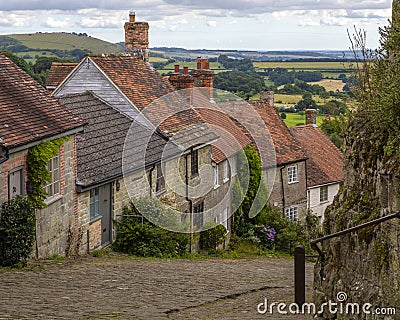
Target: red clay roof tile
325,163
58,72
27,111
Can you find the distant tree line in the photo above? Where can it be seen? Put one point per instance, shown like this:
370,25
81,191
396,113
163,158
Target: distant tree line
242,80
281,76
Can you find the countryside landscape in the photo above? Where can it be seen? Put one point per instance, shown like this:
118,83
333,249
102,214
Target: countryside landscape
146,180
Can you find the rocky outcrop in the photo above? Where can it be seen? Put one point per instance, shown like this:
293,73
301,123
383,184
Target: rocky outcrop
364,264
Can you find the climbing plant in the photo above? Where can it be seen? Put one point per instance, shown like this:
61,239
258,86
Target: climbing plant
38,175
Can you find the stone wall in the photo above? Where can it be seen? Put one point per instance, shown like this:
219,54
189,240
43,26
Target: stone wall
57,225
363,264
294,193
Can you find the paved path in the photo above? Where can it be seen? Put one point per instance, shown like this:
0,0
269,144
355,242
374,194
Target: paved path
121,288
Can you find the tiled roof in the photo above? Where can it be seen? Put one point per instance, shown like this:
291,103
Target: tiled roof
27,112
58,72
325,163
231,138
100,148
268,133
142,86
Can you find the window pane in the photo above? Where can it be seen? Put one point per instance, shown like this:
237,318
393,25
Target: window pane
194,163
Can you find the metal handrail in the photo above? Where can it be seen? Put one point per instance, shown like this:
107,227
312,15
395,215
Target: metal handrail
352,229
299,261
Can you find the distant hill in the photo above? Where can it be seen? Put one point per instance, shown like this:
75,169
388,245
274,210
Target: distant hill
254,55
70,46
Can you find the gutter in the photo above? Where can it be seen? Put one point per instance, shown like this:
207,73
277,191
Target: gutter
188,199
283,190
47,138
151,180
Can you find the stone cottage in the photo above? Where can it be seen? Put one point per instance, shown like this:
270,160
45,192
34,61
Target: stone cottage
282,159
28,117
102,192
324,165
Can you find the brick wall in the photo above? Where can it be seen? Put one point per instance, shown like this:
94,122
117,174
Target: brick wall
16,160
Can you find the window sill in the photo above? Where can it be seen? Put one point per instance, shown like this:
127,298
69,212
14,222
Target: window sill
53,199
216,186
226,180
160,192
323,202
293,182
96,218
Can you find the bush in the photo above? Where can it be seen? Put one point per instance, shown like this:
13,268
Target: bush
146,239
213,236
17,231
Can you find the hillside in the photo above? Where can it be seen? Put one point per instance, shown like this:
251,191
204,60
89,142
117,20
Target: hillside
63,45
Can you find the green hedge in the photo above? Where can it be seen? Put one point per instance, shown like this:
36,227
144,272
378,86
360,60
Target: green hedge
17,231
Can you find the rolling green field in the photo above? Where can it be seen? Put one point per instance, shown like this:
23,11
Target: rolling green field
293,119
306,66
65,41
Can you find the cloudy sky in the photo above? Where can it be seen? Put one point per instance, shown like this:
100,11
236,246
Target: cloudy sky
224,24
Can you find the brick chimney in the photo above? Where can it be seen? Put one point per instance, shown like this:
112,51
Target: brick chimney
203,76
181,80
267,97
311,116
137,36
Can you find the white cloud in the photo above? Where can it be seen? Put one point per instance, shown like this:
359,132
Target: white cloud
212,23
52,23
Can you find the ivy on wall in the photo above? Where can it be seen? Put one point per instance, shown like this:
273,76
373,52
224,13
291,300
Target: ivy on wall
38,175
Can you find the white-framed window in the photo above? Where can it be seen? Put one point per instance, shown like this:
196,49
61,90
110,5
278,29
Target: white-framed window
233,163
53,187
292,213
160,180
224,218
94,203
323,194
226,170
292,174
216,178
198,213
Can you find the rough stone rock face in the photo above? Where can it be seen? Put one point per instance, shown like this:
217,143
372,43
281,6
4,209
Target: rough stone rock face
364,264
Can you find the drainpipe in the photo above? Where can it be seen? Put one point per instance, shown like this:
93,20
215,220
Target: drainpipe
283,190
151,180
189,200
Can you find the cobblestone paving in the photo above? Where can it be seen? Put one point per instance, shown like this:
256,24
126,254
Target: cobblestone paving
120,288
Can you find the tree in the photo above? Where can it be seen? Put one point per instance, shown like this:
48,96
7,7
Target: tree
306,104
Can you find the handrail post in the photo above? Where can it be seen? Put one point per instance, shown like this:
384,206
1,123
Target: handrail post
299,276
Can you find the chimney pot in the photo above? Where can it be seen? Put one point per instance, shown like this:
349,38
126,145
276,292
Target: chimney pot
311,117
185,70
177,68
132,16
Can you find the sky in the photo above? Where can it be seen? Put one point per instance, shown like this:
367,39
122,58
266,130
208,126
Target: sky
209,24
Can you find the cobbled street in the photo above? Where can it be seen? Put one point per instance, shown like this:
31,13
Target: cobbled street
122,288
